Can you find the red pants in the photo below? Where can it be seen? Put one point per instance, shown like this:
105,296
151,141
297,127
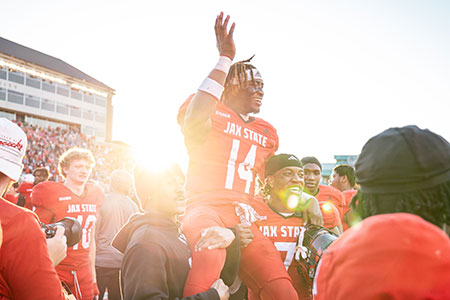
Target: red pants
79,281
261,268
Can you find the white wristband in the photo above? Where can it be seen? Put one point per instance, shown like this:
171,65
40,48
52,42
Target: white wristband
211,87
223,64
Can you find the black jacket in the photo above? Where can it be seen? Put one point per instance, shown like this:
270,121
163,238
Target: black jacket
156,259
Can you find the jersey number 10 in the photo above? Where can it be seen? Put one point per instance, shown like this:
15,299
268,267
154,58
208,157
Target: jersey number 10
244,168
86,238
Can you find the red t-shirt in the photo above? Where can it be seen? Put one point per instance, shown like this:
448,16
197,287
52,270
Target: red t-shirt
284,232
54,201
26,271
224,166
25,188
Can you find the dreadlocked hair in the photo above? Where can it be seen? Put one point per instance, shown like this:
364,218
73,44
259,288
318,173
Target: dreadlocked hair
432,204
264,189
238,72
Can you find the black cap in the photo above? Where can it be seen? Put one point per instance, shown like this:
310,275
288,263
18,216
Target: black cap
311,160
280,161
402,160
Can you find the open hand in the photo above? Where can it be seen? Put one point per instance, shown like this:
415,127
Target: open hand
225,42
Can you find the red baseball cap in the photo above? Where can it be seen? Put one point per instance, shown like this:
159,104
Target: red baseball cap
389,256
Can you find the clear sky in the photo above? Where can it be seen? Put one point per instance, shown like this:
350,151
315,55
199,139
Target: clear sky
336,72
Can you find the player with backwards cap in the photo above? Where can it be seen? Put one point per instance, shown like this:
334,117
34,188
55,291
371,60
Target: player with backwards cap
80,199
227,147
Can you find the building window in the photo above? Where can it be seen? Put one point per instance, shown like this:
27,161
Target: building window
76,95
2,94
32,101
89,98
62,109
2,73
75,112
49,87
15,97
48,105
88,115
33,82
62,90
7,115
99,100
16,77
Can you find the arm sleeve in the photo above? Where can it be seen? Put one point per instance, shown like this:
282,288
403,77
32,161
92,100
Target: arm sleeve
144,275
28,268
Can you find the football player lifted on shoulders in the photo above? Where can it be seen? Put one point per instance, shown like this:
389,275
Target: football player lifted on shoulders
227,147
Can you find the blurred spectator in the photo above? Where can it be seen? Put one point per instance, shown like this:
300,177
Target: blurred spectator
12,195
112,216
25,189
40,174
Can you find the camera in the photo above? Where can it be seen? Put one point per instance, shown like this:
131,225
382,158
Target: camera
72,230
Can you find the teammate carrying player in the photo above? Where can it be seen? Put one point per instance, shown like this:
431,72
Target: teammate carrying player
227,147
286,209
80,199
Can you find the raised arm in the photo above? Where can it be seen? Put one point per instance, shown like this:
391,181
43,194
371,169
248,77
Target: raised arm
197,122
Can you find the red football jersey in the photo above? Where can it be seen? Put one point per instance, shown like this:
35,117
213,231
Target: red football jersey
225,165
25,188
54,201
284,232
330,194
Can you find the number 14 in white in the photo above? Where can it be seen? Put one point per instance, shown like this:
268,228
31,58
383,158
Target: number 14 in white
244,168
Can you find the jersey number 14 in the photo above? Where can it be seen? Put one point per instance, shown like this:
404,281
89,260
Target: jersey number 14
244,168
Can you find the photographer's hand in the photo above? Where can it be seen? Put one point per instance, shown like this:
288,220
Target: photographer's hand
57,246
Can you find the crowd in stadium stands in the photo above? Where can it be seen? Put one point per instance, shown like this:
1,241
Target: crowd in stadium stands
46,144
